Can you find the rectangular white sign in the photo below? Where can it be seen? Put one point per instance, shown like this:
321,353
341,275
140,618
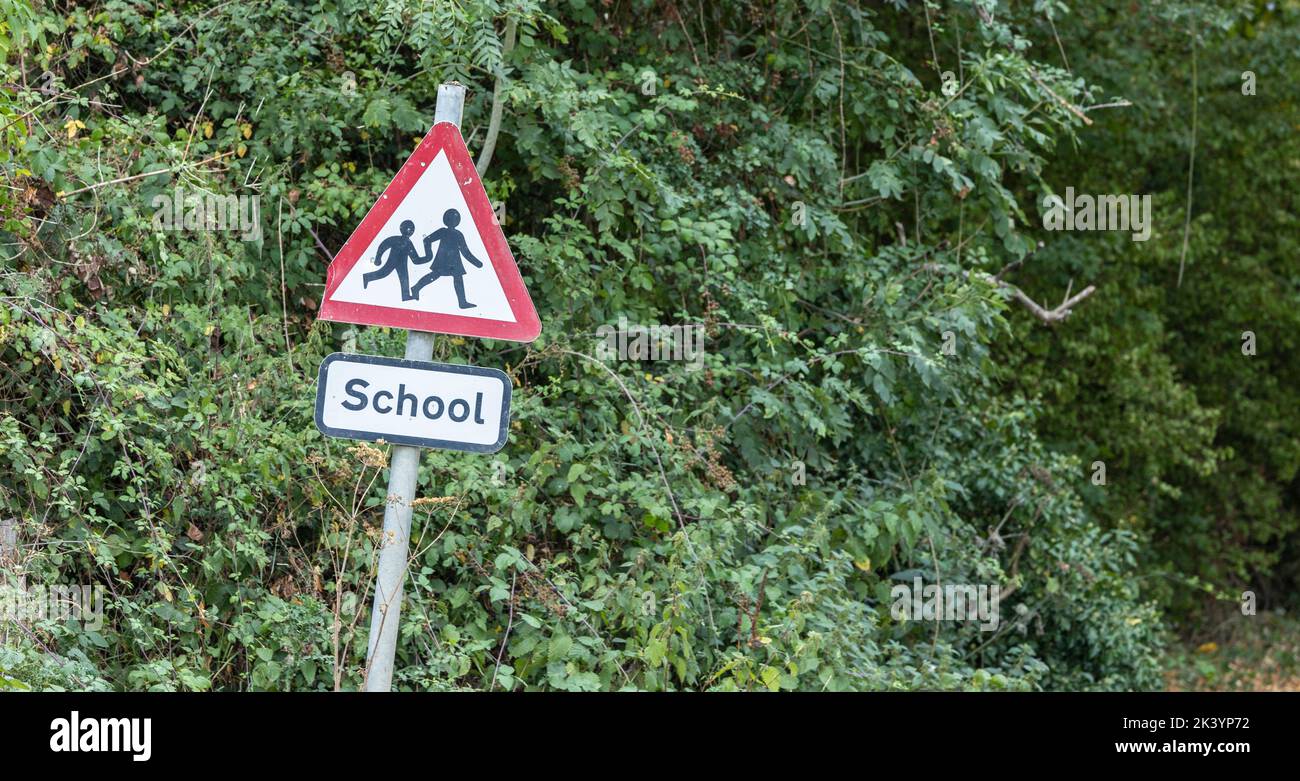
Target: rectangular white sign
417,403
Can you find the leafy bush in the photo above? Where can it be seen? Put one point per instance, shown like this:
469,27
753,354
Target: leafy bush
790,175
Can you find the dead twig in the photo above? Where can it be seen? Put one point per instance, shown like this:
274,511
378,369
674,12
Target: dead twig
509,625
145,175
1048,316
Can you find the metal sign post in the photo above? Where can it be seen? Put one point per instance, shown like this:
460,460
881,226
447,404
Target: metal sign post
404,467
470,286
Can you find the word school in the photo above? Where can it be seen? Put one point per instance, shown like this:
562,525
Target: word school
1100,213
415,403
381,402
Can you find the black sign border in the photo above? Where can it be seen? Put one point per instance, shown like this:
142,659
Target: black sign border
403,439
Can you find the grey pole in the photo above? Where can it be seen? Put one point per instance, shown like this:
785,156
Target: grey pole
404,469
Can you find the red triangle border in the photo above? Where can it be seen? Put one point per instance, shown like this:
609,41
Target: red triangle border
444,136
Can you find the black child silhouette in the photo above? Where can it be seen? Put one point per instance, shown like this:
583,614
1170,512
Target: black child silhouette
451,246
399,249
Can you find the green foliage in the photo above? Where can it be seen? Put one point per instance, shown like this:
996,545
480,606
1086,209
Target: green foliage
789,175
1200,439
1249,653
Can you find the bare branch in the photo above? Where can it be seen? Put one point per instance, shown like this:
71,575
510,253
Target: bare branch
498,95
1048,316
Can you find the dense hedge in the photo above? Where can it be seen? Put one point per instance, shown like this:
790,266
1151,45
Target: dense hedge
791,175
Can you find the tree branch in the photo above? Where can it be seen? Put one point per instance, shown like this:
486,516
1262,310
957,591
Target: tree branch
498,99
1048,316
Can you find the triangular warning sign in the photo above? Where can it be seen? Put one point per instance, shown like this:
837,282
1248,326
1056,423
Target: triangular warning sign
430,254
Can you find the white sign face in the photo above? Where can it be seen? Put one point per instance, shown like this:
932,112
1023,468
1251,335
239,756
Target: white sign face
417,403
424,257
